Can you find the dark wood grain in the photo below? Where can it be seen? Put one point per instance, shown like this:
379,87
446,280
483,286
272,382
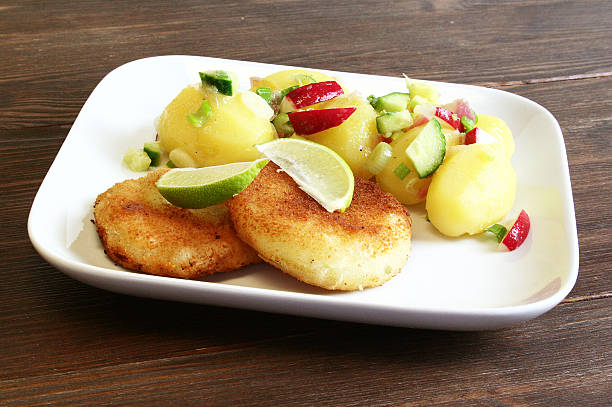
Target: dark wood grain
344,364
470,42
65,343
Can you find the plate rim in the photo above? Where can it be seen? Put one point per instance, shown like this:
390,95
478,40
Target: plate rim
507,314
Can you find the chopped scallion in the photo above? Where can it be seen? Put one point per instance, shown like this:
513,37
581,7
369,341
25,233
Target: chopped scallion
498,230
379,158
401,171
203,114
467,123
287,90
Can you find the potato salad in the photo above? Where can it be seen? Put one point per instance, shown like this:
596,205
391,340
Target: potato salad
418,149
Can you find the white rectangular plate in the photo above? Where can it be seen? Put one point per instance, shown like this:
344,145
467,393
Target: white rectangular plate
458,284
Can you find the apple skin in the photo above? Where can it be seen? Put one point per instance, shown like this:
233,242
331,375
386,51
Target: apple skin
449,117
310,94
313,121
518,232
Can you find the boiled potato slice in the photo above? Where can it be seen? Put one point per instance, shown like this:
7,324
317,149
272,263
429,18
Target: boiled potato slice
354,139
498,129
238,123
472,189
411,189
284,79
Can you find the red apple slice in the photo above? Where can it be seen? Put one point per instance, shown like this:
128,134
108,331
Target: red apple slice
449,117
313,121
478,135
310,94
518,232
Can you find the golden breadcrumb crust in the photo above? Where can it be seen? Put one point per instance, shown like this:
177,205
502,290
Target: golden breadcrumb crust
363,247
141,231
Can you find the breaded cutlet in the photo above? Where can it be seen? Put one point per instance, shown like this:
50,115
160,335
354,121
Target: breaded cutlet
142,231
362,247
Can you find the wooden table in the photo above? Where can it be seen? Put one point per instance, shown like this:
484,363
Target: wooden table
65,343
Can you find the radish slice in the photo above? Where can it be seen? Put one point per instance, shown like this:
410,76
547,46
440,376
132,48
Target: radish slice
518,232
310,94
313,121
449,117
478,135
461,108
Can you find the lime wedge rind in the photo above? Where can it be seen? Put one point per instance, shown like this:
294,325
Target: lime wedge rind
195,188
318,170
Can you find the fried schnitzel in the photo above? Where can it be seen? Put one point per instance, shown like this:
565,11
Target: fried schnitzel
142,231
363,247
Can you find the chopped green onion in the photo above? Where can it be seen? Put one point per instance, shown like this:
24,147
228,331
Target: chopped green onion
498,230
200,117
282,124
467,123
379,158
287,90
401,171
372,99
153,150
170,164
303,79
265,93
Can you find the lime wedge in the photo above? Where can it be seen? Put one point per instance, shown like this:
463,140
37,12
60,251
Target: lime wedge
318,170
195,188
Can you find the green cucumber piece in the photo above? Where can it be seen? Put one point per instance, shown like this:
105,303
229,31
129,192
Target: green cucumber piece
427,150
226,83
153,150
265,93
393,102
136,160
393,121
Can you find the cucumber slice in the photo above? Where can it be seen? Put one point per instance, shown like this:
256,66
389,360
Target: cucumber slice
226,82
393,121
427,150
393,102
265,93
137,160
153,150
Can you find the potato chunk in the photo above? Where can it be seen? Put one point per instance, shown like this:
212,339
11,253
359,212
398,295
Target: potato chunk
290,77
472,189
409,189
238,123
354,139
498,129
